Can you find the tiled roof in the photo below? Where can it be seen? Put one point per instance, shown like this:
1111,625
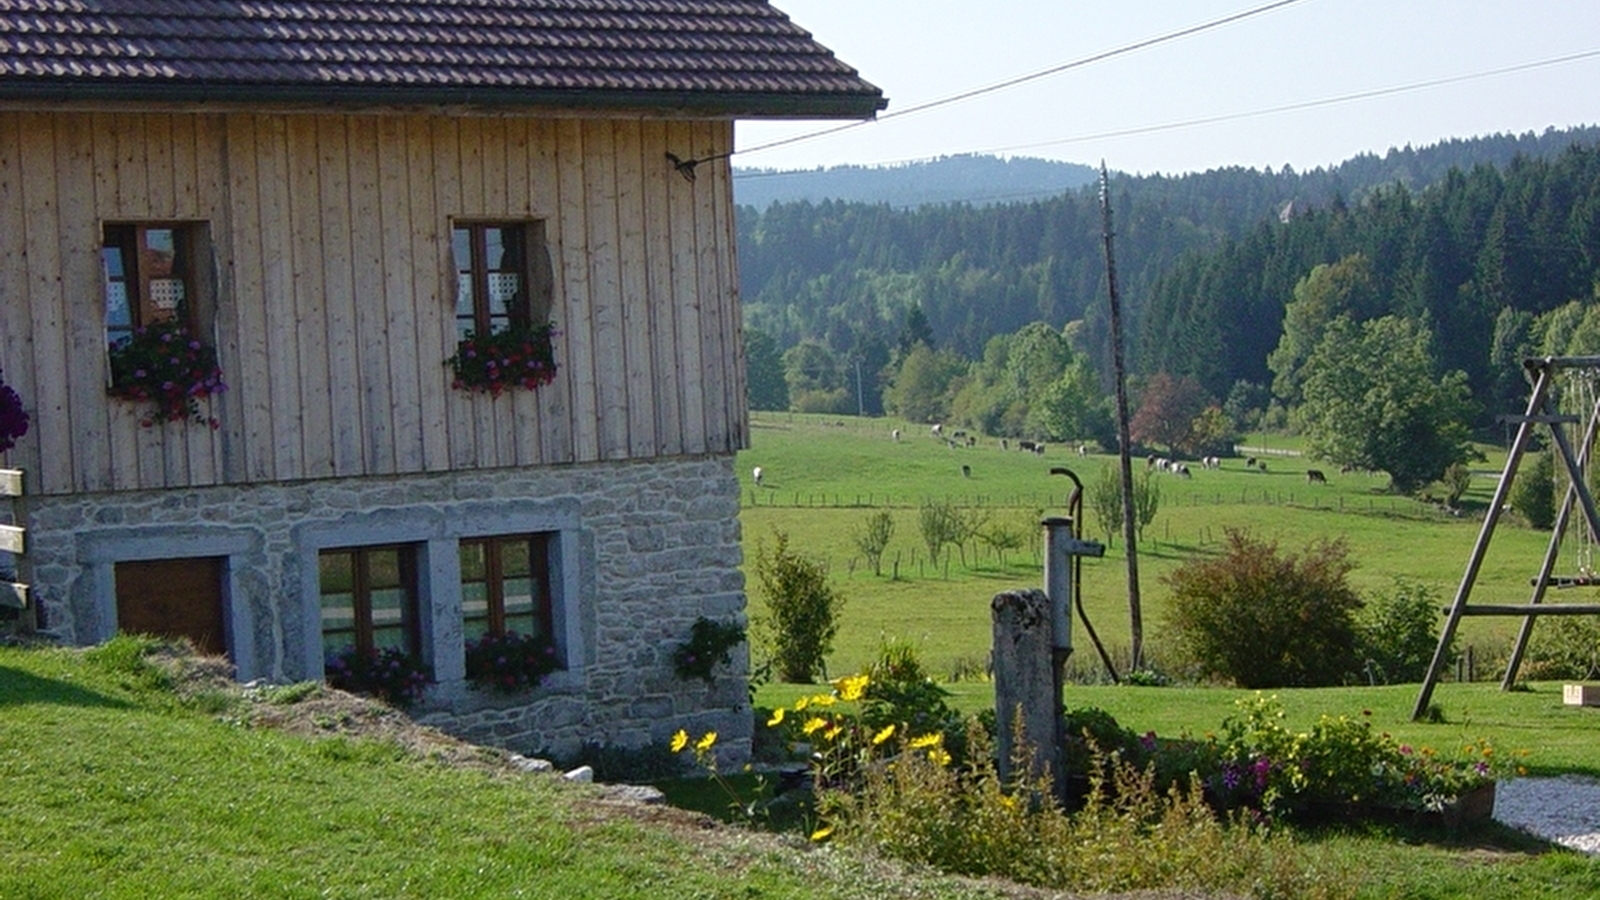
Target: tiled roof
734,57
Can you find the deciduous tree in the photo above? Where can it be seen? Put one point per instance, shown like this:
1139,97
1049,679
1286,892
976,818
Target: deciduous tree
1373,400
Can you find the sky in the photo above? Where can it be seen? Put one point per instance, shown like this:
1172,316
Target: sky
1142,111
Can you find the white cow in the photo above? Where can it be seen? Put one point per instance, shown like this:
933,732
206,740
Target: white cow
756,474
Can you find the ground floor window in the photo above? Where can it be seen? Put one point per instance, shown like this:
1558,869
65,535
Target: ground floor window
369,600
505,586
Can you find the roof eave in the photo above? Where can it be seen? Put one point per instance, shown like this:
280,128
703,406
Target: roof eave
713,104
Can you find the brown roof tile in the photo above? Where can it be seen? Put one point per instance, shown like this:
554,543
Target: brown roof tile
724,57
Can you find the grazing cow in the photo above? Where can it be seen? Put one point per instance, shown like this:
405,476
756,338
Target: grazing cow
938,430
1083,449
966,471
1315,476
755,474
896,435
958,435
1262,465
1150,461
1250,463
1346,469
1038,449
1211,462
1025,446
972,441
1005,444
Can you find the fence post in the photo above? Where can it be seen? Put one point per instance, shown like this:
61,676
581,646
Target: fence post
1026,703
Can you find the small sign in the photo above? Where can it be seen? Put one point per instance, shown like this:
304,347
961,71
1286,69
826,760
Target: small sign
10,482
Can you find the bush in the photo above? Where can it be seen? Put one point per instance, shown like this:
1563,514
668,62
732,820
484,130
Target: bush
1262,619
802,611
1533,495
1564,648
1131,836
1398,633
710,644
900,693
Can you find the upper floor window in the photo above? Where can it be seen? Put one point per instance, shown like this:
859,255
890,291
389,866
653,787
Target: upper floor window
157,315
502,276
151,275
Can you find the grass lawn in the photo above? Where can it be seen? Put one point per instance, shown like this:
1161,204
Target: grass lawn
822,477
112,788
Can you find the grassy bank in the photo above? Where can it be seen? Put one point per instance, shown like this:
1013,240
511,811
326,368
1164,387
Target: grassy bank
111,787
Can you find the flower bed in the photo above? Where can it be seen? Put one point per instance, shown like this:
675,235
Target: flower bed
522,356
389,674
13,418
166,366
510,662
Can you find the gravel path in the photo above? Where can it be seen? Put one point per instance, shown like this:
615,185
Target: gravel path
1564,810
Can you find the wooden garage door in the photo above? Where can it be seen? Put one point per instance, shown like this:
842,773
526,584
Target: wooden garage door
173,598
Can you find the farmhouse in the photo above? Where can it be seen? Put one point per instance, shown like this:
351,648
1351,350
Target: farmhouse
356,325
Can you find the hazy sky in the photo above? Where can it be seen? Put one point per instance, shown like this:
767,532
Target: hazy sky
1310,51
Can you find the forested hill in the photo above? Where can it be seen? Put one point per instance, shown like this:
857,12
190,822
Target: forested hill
847,274
950,179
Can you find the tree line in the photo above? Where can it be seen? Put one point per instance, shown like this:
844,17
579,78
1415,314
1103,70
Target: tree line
1419,299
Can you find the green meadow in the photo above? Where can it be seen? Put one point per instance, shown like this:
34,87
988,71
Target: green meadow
823,475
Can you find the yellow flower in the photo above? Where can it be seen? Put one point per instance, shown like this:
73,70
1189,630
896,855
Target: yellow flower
777,718
680,740
927,740
852,687
823,700
884,735
833,732
801,704
813,724
822,834
706,742
939,756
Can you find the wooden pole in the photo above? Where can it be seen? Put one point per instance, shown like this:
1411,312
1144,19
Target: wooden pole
1125,447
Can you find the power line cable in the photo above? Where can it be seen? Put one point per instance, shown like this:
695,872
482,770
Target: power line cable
686,166
1035,76
1229,117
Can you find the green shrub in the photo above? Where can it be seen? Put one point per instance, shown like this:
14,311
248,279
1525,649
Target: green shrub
1398,633
1130,837
900,693
1263,619
1533,495
802,611
710,644
1564,648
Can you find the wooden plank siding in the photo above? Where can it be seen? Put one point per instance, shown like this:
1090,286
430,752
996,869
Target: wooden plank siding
332,291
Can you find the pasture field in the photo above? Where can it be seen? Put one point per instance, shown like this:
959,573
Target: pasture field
823,476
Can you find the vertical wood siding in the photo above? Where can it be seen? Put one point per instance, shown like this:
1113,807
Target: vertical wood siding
334,291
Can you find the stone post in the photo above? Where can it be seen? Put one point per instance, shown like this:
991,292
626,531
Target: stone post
1025,683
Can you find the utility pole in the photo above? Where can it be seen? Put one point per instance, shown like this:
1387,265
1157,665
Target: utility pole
1124,443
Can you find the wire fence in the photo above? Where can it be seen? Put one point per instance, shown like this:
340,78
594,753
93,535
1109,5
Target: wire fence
777,498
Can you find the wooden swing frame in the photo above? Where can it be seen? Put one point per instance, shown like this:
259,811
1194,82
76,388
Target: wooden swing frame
1541,372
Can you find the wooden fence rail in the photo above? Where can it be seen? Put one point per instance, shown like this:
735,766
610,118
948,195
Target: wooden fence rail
13,540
